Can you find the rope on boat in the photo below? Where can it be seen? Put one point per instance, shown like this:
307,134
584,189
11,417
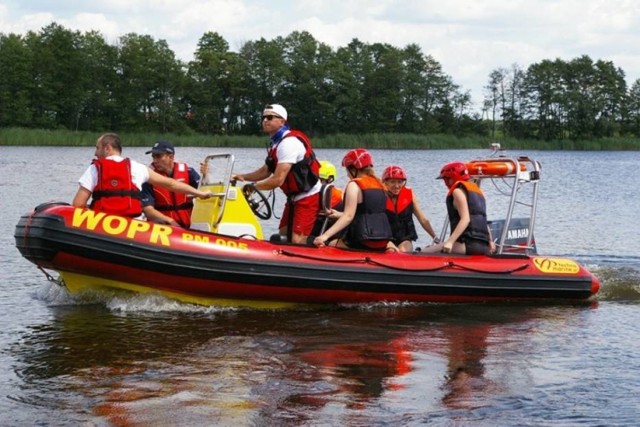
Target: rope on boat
363,260
52,279
319,258
368,260
395,267
477,270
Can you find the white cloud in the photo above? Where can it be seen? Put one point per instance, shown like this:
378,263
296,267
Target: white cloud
468,37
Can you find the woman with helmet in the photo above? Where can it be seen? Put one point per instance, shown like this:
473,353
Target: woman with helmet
467,210
402,205
364,217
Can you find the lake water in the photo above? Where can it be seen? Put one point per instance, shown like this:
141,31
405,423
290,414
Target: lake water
147,361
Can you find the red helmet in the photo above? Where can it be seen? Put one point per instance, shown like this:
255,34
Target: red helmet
394,172
457,171
358,158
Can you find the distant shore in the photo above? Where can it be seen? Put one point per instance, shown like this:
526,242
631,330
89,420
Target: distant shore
40,137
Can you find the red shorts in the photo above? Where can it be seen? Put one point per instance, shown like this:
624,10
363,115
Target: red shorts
305,213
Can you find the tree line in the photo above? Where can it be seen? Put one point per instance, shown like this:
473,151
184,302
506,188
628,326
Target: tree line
63,79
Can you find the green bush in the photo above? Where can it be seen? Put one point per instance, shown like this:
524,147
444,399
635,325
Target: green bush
39,137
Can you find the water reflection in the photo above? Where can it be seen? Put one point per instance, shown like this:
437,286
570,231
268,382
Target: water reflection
465,379
258,368
130,364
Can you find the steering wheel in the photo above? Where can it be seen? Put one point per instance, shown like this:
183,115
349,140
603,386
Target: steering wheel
258,202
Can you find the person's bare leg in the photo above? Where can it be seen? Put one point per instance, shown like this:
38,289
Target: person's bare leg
405,246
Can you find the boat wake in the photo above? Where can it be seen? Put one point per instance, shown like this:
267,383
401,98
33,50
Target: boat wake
619,275
123,302
618,283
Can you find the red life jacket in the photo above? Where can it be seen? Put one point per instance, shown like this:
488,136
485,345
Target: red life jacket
115,192
304,174
403,202
175,205
400,216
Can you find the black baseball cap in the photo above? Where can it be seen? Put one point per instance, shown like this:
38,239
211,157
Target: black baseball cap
161,147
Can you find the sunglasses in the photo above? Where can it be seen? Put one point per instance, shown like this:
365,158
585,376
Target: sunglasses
270,117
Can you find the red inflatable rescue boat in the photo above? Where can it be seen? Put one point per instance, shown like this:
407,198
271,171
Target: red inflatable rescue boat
224,260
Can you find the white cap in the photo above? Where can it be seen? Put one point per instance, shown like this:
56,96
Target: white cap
276,109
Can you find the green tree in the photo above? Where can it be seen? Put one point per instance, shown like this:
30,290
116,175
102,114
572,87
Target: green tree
355,63
632,123
410,114
16,84
151,84
305,92
342,95
208,92
495,97
504,101
610,96
580,81
58,75
437,113
266,75
460,101
381,89
545,91
514,102
96,103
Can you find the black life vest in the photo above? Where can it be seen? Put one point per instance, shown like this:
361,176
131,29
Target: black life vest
370,221
477,228
304,174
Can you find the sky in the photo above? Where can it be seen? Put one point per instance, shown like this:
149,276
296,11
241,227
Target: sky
469,38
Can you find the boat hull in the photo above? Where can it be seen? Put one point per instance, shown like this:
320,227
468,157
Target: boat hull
94,251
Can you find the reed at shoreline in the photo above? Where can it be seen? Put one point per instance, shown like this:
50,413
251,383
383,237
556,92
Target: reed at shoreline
41,137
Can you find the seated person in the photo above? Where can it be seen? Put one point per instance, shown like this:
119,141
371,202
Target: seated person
163,206
402,205
114,183
327,175
364,215
467,210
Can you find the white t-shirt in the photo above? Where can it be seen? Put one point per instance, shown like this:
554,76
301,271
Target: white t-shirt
291,150
139,174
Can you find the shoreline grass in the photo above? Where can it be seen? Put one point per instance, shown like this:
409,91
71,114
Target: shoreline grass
42,137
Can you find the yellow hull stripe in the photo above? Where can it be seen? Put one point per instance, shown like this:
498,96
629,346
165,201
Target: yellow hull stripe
78,283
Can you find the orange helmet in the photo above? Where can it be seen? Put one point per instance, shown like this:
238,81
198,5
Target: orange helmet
358,158
457,171
394,172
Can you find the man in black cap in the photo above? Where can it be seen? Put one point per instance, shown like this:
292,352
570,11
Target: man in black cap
164,206
114,183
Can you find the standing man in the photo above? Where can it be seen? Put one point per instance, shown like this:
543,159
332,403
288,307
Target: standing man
114,183
158,203
291,165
